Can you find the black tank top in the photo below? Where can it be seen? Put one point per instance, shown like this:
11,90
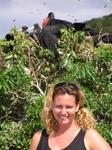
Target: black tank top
76,144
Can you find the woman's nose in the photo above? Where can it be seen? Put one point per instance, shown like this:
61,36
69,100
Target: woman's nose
63,111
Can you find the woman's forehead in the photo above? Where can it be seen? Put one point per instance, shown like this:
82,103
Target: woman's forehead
64,98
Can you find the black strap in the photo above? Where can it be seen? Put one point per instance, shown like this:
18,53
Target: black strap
78,142
43,144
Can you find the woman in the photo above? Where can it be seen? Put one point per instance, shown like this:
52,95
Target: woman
68,125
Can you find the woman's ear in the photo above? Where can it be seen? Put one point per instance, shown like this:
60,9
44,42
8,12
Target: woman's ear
77,108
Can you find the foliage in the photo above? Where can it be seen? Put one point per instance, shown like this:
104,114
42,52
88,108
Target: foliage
103,24
106,128
33,114
12,136
26,72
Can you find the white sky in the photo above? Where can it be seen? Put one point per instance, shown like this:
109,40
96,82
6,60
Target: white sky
27,12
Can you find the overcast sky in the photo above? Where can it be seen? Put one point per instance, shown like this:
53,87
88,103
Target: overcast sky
27,12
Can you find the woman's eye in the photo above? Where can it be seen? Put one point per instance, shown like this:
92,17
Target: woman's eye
61,107
58,106
69,107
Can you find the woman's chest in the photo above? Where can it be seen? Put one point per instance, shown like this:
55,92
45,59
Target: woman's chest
63,142
60,142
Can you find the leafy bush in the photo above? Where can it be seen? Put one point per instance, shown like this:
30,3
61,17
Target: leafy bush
12,136
26,72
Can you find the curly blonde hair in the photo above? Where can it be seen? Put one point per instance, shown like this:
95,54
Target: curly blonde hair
83,117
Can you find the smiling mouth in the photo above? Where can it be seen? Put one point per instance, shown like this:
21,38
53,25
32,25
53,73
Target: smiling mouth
63,118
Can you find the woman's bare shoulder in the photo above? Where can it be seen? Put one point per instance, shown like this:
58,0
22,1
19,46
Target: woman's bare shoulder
95,141
37,135
35,140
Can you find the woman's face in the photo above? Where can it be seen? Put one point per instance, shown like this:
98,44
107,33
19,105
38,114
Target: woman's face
64,108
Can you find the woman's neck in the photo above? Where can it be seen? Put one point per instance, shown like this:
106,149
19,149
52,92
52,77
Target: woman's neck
69,128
